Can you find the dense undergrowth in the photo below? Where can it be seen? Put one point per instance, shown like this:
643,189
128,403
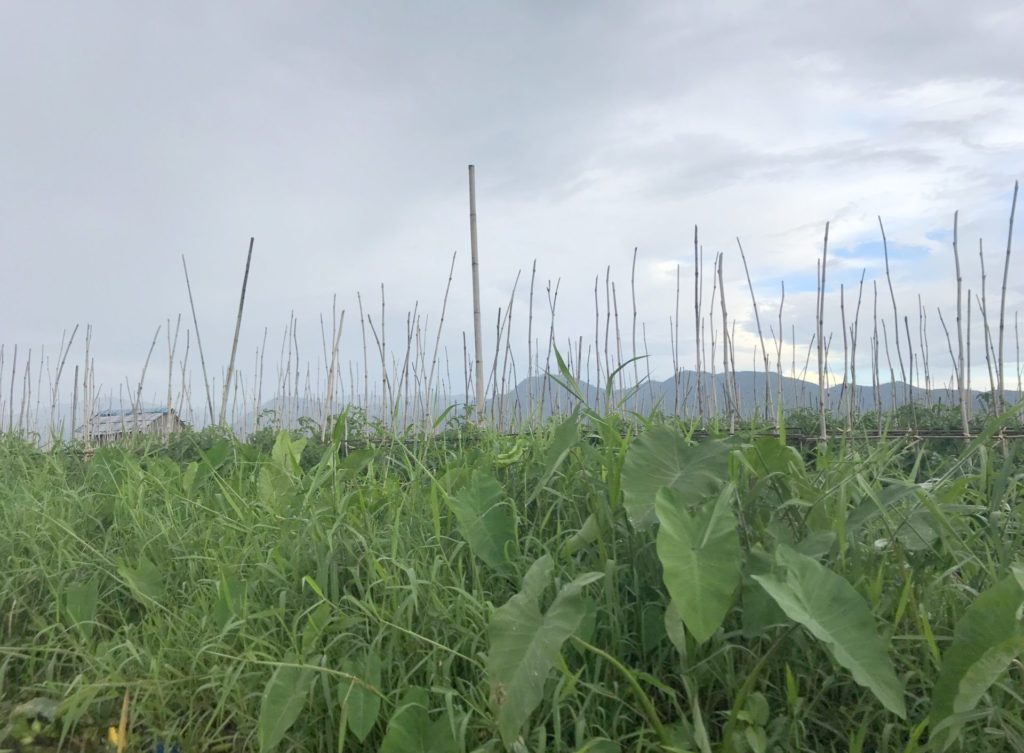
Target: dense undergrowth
589,586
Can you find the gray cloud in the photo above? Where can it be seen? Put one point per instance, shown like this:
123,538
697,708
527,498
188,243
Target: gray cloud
338,135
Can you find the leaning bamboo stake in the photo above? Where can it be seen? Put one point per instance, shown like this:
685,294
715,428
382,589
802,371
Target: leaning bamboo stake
632,289
892,372
967,355
892,296
137,403
597,339
529,343
987,340
552,305
607,323
778,360
74,403
1002,300
26,391
56,384
437,341
1020,366
87,406
697,321
964,421
33,416
333,369
760,335
618,336
876,372
726,351
844,392
477,325
910,366
823,430
986,334
366,358
925,350
171,347
675,347
234,342
854,331
199,342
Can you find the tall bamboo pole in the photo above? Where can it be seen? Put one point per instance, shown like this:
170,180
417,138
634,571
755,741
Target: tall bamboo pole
477,328
961,389
234,341
1001,390
823,429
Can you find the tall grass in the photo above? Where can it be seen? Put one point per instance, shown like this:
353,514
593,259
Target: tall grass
350,594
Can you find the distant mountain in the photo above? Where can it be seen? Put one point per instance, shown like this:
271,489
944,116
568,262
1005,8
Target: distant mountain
540,397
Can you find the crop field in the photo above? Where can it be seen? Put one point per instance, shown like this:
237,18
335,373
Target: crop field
725,561
597,584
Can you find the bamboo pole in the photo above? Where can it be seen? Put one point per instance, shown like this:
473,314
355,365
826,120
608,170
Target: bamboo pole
760,335
823,429
895,314
959,329
1001,389
234,341
477,326
199,342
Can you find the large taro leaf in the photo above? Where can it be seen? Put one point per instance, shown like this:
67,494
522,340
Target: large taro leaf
411,731
700,557
284,697
834,613
988,637
661,456
563,439
80,601
525,644
145,581
287,453
361,703
767,456
485,519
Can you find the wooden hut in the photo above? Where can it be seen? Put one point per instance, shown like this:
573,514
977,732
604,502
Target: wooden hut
110,426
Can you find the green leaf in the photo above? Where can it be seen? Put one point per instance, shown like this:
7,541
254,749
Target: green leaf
759,610
230,603
834,613
986,640
145,581
525,645
485,519
662,457
768,456
411,731
287,453
80,601
317,620
588,534
362,704
565,437
675,629
701,559
538,577
284,697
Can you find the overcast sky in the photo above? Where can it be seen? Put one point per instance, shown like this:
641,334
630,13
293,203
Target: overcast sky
338,134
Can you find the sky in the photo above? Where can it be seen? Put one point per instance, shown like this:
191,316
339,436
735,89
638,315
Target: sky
338,135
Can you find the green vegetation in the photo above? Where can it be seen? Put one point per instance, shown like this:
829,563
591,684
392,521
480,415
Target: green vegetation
596,585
